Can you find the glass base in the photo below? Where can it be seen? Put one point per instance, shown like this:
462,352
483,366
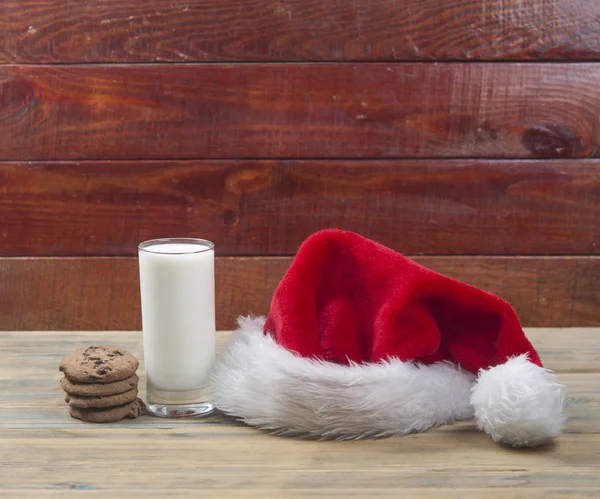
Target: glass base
180,411
173,404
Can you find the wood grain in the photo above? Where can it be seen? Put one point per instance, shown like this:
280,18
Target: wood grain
45,453
299,111
221,461
569,350
70,489
102,293
269,207
582,406
297,30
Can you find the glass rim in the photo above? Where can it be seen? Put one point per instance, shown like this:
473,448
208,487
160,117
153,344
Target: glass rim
205,243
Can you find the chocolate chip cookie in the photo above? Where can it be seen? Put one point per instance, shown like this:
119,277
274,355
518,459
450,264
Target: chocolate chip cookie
98,364
98,389
102,402
111,415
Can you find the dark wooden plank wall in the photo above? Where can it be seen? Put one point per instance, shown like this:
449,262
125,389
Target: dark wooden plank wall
460,132
330,110
118,31
257,207
102,293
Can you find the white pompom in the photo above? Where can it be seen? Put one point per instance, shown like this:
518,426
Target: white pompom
518,403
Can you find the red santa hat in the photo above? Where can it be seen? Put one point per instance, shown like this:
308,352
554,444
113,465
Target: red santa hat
361,341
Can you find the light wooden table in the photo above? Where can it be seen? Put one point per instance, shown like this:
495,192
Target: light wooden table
45,453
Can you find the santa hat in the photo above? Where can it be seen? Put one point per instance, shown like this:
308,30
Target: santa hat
361,341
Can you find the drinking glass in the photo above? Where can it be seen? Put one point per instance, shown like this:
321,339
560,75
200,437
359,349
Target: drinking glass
177,287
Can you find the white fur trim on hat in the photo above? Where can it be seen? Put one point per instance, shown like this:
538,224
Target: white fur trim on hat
518,403
267,386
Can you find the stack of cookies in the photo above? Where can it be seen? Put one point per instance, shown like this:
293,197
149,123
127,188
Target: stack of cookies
101,384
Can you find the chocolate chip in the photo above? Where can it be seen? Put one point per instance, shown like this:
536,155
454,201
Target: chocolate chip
93,377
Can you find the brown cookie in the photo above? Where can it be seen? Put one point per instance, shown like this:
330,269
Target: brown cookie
98,364
99,402
98,389
111,415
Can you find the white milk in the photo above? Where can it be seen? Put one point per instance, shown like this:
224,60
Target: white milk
178,314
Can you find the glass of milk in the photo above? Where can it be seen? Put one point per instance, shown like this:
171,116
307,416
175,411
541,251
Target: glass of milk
177,286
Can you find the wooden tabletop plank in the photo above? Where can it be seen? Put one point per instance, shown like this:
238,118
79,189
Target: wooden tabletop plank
42,406
69,490
329,110
563,350
22,365
297,30
45,453
435,207
183,458
201,454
